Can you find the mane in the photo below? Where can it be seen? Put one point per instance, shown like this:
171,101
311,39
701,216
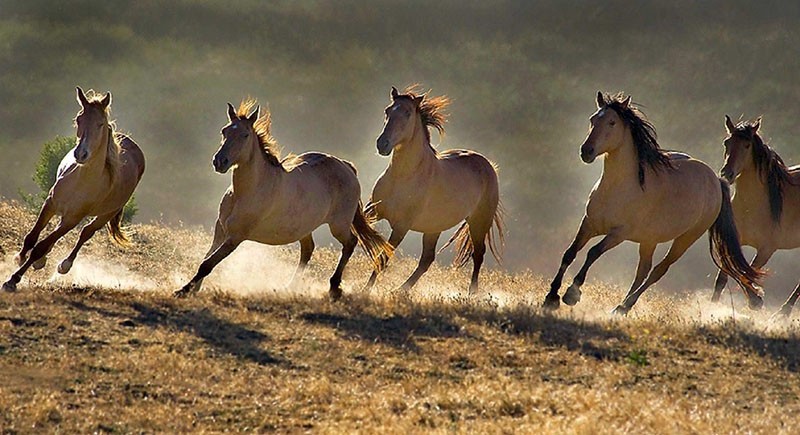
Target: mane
432,110
263,129
768,164
648,152
112,147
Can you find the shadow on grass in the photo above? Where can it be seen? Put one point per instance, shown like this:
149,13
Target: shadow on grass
222,335
445,321
783,350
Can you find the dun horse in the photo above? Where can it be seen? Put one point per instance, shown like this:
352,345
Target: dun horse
428,191
95,179
276,202
766,205
650,196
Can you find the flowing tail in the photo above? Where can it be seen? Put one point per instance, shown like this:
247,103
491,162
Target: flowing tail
463,241
371,241
115,230
726,251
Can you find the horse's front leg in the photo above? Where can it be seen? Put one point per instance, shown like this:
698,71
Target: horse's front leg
306,251
225,249
573,293
86,233
45,214
552,300
40,250
428,255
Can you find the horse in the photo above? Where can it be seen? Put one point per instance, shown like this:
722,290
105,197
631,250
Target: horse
428,191
766,204
96,178
277,201
649,196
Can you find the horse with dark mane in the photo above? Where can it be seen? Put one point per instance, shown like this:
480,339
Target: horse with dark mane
96,178
766,205
649,196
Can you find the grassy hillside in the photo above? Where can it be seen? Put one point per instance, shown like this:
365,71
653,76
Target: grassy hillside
106,349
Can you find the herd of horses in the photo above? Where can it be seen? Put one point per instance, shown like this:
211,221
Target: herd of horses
646,195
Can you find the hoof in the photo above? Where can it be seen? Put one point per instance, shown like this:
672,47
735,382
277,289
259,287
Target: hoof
40,263
64,266
185,291
620,311
335,294
572,296
715,297
551,302
781,315
9,287
755,302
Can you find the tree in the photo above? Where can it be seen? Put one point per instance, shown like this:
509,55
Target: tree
44,175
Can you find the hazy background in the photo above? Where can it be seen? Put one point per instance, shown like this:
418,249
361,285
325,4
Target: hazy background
522,77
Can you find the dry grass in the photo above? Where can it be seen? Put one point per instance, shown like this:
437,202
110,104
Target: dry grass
106,349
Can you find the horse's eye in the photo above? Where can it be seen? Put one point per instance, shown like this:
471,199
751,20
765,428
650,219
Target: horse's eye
245,134
613,123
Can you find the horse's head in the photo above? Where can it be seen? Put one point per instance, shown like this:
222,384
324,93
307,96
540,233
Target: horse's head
738,151
606,130
237,137
401,118
92,124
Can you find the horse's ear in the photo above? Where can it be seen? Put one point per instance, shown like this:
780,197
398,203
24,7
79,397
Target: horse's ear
232,112
757,125
600,100
106,101
395,94
626,102
254,116
418,100
729,124
81,96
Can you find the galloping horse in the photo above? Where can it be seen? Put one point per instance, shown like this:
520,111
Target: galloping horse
650,196
428,191
279,201
766,205
96,179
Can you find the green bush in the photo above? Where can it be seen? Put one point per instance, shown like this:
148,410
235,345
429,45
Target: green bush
44,175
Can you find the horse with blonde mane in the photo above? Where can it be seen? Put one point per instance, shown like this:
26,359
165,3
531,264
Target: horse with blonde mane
429,191
96,178
766,204
279,201
650,196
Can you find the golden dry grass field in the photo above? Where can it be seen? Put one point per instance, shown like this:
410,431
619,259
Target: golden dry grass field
106,349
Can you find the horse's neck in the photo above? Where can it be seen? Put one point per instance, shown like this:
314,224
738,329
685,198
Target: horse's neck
751,184
255,175
621,165
414,157
96,166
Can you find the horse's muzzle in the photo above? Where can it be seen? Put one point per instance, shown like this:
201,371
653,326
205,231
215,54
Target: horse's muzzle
81,155
587,153
221,164
727,174
384,148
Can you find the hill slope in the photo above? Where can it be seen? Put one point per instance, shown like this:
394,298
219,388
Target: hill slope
107,349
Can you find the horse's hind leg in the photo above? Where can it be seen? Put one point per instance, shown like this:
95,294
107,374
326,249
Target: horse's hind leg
395,239
786,308
45,214
349,242
478,229
306,250
719,285
40,250
573,293
678,248
552,300
86,233
646,251
428,255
